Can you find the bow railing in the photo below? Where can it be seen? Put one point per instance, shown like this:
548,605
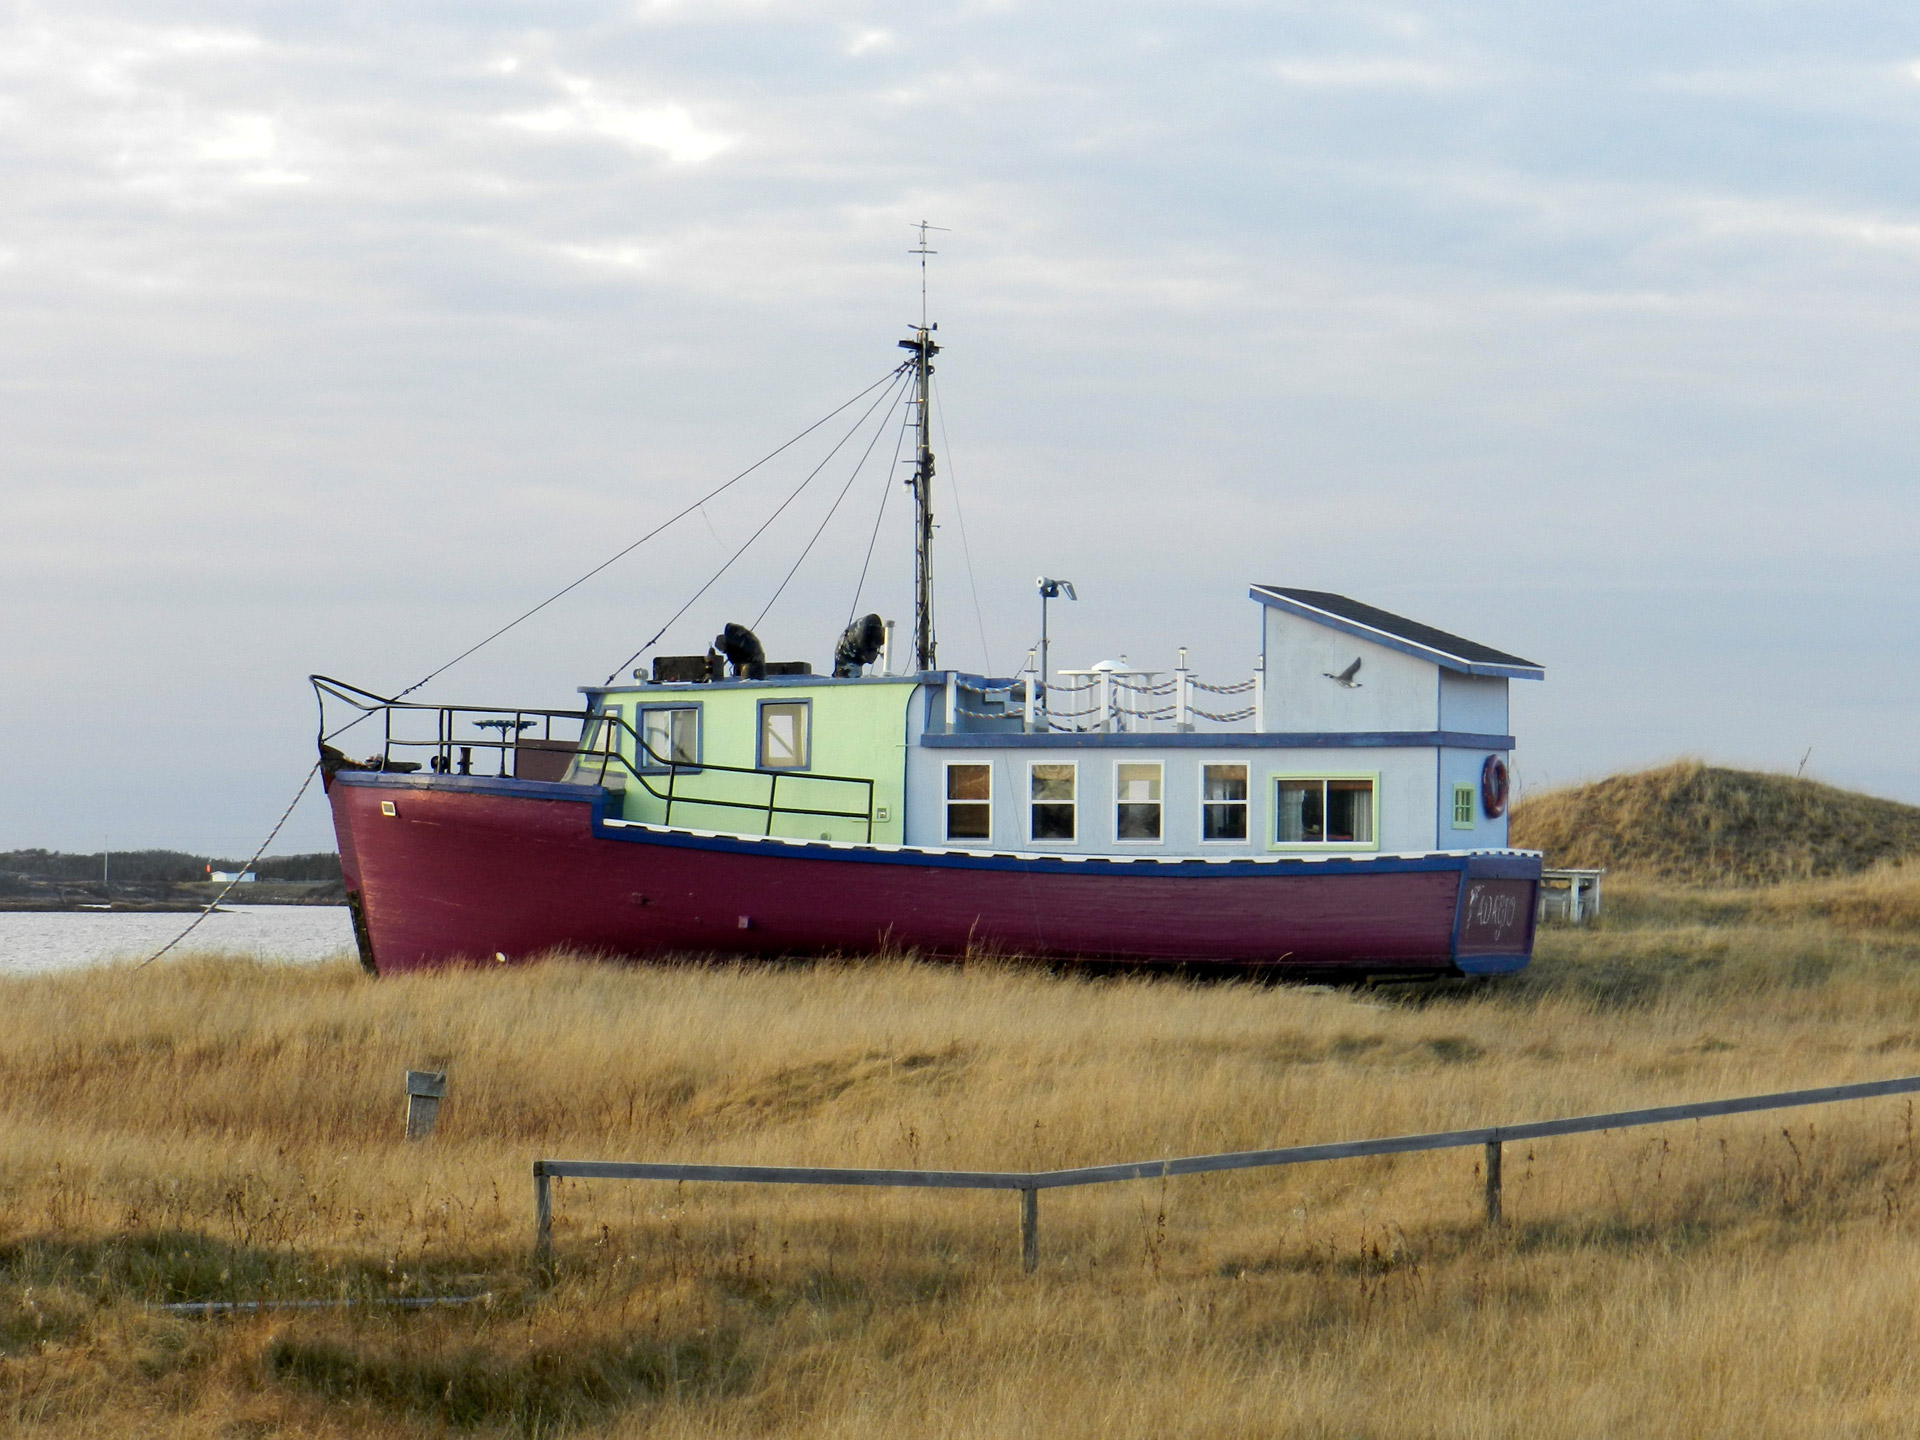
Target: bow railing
588,747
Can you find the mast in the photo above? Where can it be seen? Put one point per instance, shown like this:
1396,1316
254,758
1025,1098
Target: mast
924,349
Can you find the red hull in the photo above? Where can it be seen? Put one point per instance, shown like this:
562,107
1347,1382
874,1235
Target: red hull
466,869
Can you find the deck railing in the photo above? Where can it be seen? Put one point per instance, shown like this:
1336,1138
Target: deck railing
1029,1184
1106,700
593,743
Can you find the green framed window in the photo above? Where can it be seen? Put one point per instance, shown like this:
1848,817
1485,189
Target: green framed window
1463,801
670,735
1324,809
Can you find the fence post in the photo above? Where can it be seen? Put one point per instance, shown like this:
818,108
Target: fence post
1029,1229
1493,1183
542,1220
425,1090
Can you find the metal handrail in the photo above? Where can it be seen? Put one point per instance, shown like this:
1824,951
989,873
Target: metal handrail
603,722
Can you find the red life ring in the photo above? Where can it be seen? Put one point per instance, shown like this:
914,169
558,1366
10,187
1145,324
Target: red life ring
1493,787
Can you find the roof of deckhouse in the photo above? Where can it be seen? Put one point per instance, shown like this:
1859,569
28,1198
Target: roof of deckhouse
1397,632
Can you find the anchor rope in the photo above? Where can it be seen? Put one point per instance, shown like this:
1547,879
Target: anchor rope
214,903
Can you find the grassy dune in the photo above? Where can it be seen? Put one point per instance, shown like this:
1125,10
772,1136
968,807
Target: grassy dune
217,1129
1696,824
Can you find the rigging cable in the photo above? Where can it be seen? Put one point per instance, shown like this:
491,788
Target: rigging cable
865,456
886,491
305,784
528,615
966,550
897,376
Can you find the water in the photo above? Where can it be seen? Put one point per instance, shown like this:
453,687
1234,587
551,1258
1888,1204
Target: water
32,943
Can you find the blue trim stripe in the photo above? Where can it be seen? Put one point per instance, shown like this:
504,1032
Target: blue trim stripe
1228,740
1490,964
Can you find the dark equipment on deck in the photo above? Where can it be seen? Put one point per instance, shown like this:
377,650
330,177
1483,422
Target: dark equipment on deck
743,650
860,645
686,669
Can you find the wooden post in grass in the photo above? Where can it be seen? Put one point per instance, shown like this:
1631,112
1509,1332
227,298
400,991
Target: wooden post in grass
425,1090
1029,1229
542,1220
1493,1183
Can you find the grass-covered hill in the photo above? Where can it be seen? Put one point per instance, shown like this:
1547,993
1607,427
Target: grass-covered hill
1701,824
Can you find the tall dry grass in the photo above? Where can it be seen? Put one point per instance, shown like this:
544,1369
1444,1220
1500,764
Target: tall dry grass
220,1129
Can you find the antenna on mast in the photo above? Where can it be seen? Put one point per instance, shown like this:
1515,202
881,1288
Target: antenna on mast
921,483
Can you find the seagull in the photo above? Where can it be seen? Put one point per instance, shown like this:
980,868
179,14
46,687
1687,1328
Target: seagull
1345,677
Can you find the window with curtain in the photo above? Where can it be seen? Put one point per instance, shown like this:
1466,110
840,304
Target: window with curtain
1323,811
672,736
1136,792
1051,804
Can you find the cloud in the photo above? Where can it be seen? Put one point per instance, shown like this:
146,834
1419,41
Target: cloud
868,41
1372,72
588,111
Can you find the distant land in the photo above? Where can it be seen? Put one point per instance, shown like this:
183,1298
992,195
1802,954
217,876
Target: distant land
160,880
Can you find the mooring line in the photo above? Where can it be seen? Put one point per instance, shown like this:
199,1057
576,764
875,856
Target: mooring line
214,903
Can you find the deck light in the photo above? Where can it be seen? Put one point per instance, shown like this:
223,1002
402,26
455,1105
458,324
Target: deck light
1049,590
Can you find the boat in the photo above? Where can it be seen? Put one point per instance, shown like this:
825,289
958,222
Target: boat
1339,813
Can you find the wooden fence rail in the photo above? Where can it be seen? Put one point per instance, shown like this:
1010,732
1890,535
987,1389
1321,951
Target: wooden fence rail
1030,1182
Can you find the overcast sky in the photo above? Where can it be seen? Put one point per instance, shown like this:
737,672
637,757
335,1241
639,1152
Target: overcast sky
334,335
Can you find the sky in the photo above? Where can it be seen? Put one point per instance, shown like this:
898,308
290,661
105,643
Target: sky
334,336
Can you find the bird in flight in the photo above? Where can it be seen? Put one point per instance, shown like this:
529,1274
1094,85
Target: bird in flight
1345,677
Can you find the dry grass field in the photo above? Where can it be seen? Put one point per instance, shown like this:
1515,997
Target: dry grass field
216,1129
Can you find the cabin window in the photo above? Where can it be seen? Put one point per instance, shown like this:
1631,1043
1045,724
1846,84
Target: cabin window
1052,801
1136,795
1463,798
605,734
1323,811
671,735
969,802
785,738
1223,802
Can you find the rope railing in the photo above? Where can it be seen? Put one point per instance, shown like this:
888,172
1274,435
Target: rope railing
1098,701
